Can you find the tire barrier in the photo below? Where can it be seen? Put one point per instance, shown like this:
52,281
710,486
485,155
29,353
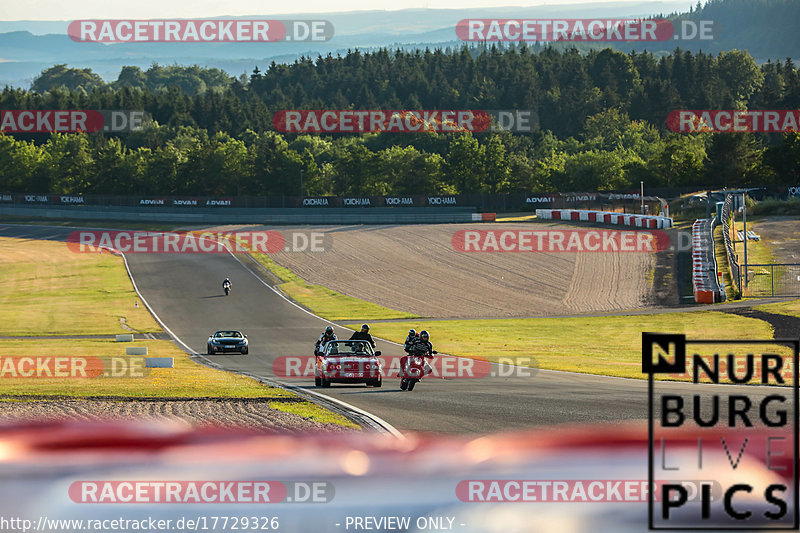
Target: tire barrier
606,217
707,288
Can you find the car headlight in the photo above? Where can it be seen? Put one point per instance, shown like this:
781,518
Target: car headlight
214,341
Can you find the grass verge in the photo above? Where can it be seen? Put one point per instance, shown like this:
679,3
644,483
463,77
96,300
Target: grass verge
791,308
607,345
187,380
314,412
326,302
517,218
49,290
758,252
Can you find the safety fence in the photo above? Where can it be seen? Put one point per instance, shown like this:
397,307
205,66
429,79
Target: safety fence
705,279
733,263
772,280
606,217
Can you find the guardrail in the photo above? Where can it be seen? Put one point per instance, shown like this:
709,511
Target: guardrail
606,217
705,283
736,272
332,215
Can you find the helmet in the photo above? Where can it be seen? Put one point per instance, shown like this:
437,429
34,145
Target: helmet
364,327
329,330
412,332
424,335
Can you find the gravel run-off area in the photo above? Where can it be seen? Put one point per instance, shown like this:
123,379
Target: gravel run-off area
224,412
415,268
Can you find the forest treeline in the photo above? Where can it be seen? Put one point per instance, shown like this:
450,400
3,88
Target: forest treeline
602,121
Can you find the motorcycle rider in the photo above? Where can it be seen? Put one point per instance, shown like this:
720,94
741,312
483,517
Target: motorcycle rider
363,335
421,346
327,335
410,340
227,282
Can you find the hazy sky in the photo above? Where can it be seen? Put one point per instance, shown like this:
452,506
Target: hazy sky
128,9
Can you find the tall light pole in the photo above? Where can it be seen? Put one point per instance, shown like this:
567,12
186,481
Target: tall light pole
642,195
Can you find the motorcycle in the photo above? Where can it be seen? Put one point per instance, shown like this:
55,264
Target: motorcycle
227,287
414,370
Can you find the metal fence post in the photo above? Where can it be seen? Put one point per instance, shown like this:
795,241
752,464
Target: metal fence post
772,278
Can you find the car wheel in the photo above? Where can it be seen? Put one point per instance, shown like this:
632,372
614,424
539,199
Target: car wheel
245,351
210,350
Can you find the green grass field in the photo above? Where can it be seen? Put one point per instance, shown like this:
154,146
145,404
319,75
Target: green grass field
608,345
188,379
791,308
50,290
325,302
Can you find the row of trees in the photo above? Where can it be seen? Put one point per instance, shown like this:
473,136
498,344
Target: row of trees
602,117
612,153
564,87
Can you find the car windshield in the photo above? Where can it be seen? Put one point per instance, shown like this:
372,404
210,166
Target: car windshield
348,348
235,334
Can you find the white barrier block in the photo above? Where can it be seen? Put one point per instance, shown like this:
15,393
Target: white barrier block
127,337
136,350
159,362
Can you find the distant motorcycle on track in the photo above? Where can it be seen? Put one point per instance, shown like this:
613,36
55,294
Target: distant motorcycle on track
226,286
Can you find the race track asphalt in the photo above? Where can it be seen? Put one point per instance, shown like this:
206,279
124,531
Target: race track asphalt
185,292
